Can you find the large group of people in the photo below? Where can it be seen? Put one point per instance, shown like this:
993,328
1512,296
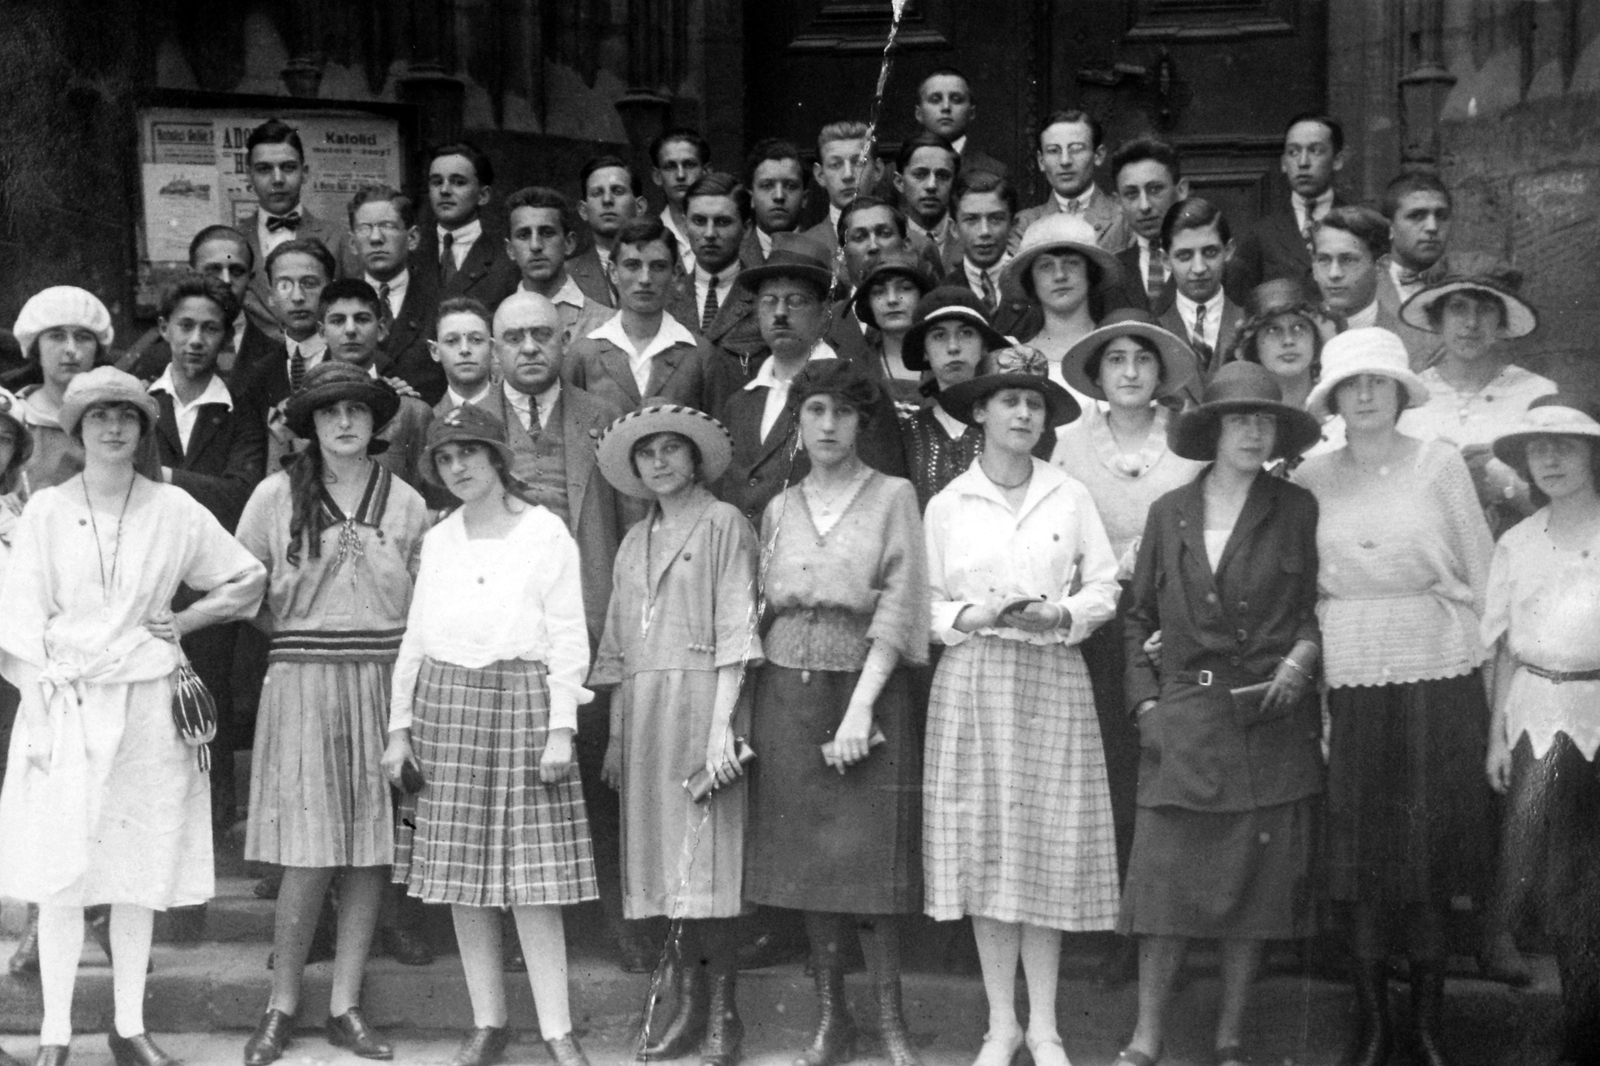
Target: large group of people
1076,568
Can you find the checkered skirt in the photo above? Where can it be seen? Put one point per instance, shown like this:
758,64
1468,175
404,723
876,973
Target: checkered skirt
1016,810
485,832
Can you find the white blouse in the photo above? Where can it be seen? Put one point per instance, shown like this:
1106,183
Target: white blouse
1053,548
482,601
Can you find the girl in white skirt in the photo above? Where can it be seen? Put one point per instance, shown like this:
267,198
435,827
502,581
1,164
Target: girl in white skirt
1017,827
485,705
340,537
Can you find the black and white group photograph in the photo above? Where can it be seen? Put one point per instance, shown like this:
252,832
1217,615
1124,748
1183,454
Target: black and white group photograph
800,532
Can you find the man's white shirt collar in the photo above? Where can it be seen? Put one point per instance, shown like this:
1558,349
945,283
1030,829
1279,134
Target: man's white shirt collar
314,348
1319,207
185,414
526,405
959,144
764,239
778,389
568,294
397,289
671,332
1083,200
461,239
1367,316
457,400
975,273
1186,308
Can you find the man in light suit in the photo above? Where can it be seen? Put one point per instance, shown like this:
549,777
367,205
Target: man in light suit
459,255
1418,207
277,162
1197,243
946,108
776,178
1279,244
1148,182
383,223
1071,146
926,167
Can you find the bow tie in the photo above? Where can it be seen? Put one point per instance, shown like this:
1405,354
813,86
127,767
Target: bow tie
290,222
1410,277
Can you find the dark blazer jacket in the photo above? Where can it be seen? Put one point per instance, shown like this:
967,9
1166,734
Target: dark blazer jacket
1231,627
331,232
225,460
487,272
1131,292
405,354
683,374
1233,317
1272,249
1015,315
598,516
590,275
148,359
974,158
1421,345
762,469
735,330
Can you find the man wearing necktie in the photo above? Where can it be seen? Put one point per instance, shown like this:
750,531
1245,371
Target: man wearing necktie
384,223
1197,243
1071,147
1279,245
985,209
1148,182
277,171
457,254
1418,207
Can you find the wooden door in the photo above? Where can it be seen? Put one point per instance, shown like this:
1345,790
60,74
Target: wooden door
1218,78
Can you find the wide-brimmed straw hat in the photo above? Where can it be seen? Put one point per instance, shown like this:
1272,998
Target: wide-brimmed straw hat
793,255
889,265
661,416
466,424
944,303
1476,273
1178,362
62,305
331,381
105,384
1060,232
1556,415
1368,350
1239,388
11,411
1012,368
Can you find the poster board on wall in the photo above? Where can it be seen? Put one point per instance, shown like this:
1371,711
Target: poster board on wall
194,173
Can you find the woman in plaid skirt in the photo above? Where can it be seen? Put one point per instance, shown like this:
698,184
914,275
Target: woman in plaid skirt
1017,828
484,708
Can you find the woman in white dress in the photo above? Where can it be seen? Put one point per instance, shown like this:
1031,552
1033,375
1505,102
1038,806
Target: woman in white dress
104,802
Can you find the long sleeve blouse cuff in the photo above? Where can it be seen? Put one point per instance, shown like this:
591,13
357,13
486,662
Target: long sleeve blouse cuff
564,700
399,715
945,614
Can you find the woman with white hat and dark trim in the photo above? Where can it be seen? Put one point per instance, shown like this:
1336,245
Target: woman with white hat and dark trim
67,330
485,695
1475,392
1543,620
1017,826
680,633
1404,565
1060,265
104,801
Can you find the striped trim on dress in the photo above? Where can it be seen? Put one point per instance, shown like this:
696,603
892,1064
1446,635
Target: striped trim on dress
339,645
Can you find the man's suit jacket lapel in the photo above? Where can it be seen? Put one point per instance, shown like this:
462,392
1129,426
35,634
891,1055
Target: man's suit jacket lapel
620,369
740,306
750,249
167,424
1232,318
208,421
577,418
408,324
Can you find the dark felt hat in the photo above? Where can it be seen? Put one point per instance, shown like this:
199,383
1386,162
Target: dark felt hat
1012,368
331,381
1237,388
1178,362
943,303
466,424
794,255
889,265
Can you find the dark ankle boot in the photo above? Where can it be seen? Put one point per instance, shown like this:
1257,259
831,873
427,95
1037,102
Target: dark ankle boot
836,1034
1374,1035
25,960
687,1027
1427,1004
881,945
724,1030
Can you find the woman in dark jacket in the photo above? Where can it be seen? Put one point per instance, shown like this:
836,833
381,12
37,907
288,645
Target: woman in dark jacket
1227,714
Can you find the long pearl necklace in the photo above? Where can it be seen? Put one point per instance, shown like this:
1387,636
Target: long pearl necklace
107,584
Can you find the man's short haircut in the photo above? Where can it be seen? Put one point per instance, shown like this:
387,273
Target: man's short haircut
1141,149
275,131
911,145
481,165
702,147
349,289
219,232
193,285
943,72
846,130
1362,223
983,181
1194,213
604,162
644,231
372,194
774,149
865,202
305,246
721,183
1097,133
1411,182
544,196
463,305
1335,130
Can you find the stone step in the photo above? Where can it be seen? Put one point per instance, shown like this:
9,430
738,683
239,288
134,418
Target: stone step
223,986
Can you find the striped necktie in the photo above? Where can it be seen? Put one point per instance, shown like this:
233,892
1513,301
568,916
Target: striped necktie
991,299
384,312
1198,337
709,315
297,367
1155,274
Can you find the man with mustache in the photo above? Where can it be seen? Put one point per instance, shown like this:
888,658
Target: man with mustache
1071,146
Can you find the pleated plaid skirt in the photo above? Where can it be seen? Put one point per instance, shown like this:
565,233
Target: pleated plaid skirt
1016,814
484,831
318,794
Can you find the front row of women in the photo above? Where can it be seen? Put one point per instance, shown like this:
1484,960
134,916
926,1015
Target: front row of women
455,662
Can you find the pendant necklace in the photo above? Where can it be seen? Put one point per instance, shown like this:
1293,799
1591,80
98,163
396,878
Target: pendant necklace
106,585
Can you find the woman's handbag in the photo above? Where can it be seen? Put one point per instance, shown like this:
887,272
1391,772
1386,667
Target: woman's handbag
194,712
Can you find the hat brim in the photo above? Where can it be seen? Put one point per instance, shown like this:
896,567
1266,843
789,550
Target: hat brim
1317,402
1178,362
862,302
1512,448
430,467
960,400
1020,267
615,453
73,407
913,350
24,447
1521,319
751,279
382,400
1193,434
